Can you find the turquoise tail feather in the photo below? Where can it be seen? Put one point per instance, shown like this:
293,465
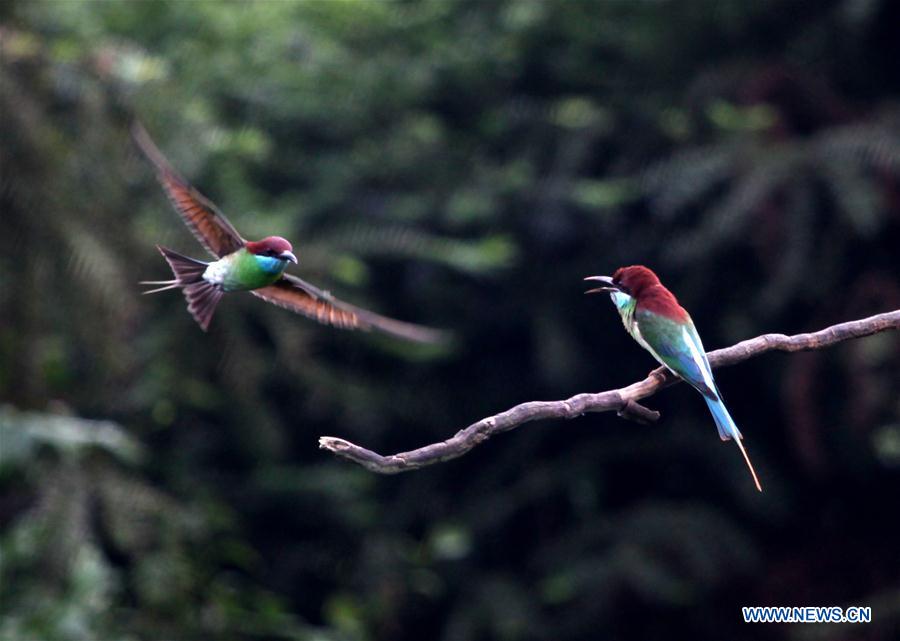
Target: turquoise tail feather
728,430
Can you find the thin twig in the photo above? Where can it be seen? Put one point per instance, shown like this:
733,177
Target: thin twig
624,401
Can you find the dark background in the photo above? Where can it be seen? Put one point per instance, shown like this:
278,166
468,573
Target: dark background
463,165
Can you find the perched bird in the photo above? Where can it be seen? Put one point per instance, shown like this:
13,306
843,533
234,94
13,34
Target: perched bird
653,317
242,265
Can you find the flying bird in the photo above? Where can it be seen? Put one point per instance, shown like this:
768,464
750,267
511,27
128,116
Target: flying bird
653,317
254,266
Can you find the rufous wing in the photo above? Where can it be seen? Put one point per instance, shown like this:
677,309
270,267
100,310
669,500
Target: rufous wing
299,296
202,217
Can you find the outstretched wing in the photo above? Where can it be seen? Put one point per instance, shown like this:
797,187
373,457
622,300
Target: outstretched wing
299,296
203,218
677,346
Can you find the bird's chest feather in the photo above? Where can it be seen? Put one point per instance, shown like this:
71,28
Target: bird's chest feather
243,271
625,304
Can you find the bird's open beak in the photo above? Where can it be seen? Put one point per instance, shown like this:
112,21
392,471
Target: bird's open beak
607,285
288,256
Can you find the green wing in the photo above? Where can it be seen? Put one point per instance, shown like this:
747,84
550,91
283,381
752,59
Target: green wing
678,347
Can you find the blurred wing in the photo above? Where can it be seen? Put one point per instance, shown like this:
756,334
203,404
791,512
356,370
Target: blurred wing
299,296
678,347
202,217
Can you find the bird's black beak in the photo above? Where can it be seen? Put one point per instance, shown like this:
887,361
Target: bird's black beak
608,285
286,255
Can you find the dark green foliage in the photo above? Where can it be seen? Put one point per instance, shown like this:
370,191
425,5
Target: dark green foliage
464,165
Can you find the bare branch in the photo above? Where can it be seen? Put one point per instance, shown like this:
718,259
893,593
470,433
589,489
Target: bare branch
624,401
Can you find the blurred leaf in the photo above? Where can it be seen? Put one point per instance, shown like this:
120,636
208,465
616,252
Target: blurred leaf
22,433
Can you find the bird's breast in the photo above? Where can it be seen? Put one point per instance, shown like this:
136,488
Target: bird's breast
243,271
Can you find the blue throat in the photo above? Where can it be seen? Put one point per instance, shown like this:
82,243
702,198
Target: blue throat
270,264
620,299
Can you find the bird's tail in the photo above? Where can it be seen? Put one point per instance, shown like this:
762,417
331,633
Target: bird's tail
728,430
202,296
